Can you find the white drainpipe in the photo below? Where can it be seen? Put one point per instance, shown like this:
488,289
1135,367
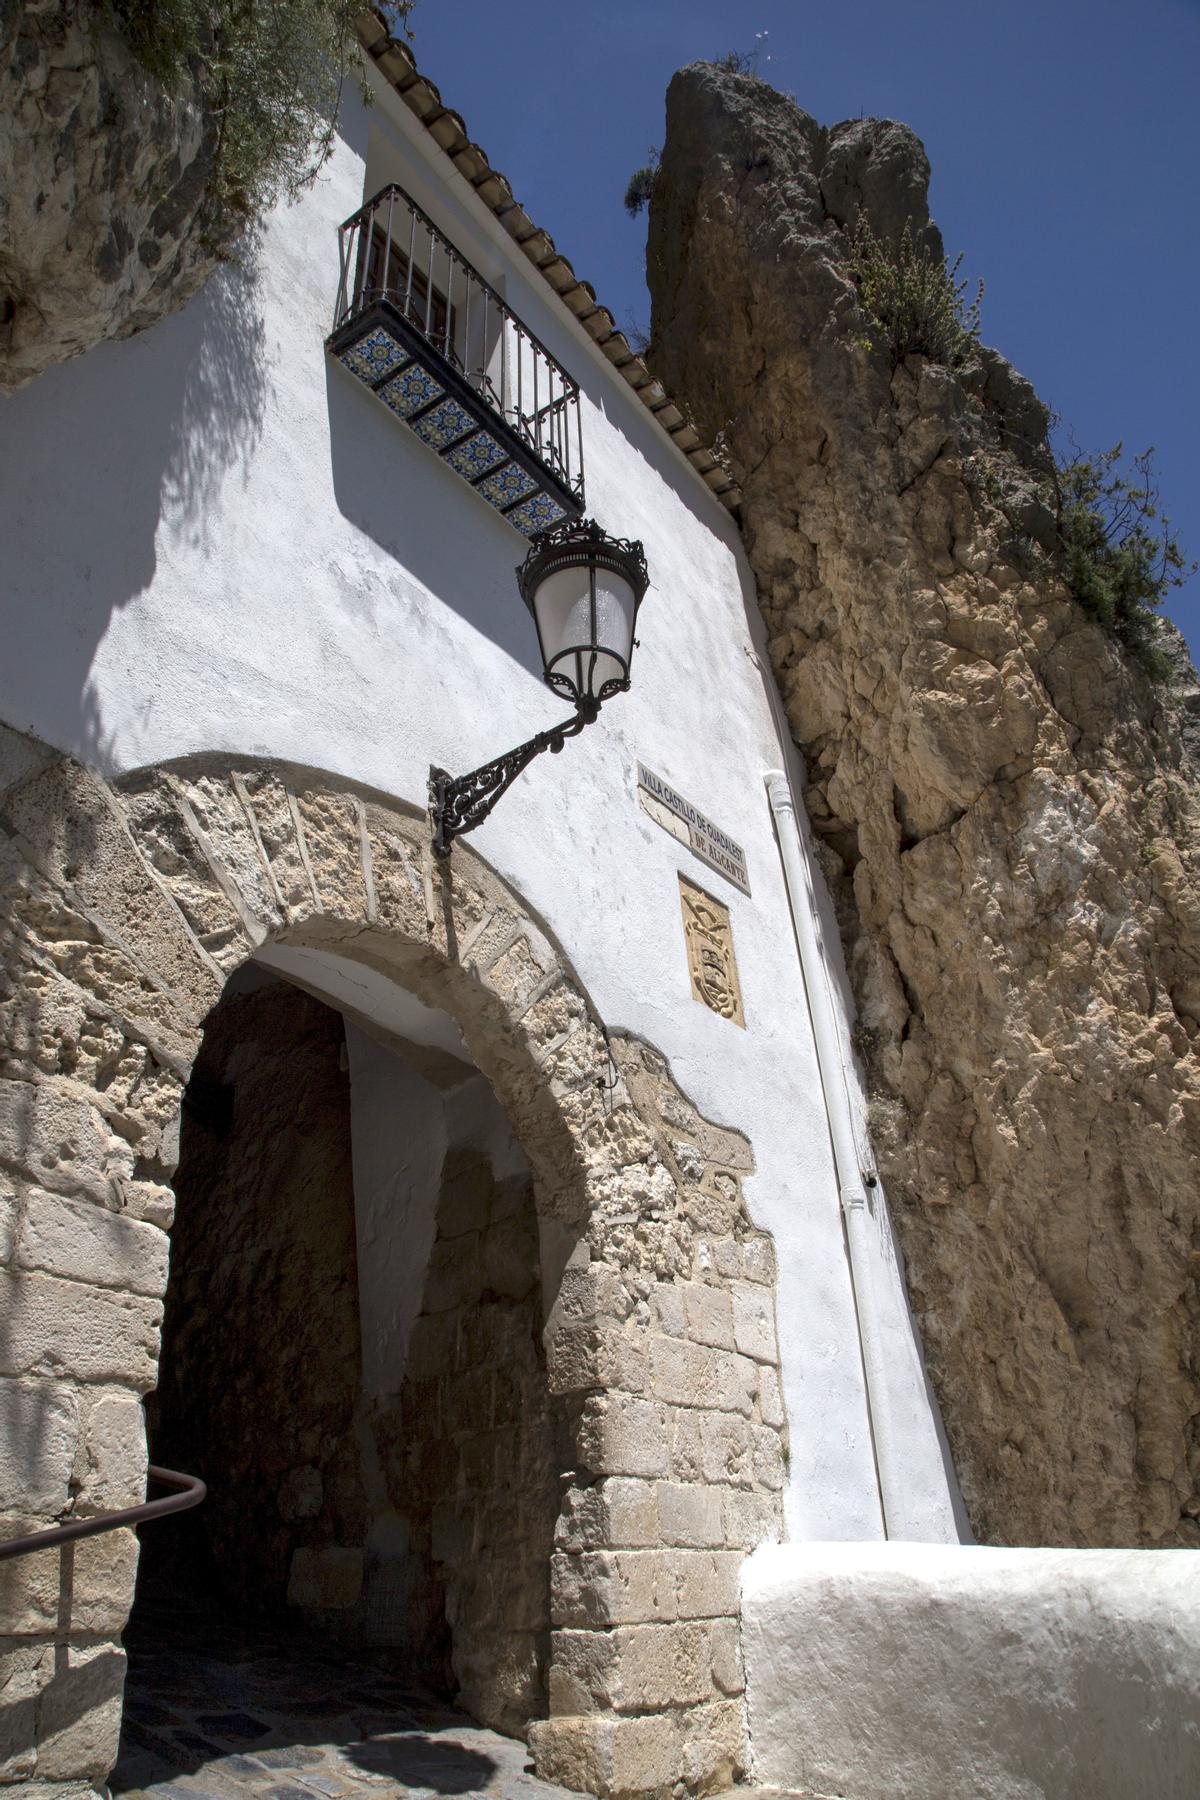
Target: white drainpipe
852,1188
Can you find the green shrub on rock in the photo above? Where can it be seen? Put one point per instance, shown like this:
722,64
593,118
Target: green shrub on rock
637,194
914,297
1120,557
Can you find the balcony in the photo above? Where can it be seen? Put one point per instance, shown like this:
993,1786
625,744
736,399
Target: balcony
438,346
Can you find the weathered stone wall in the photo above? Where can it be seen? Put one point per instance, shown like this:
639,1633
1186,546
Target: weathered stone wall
122,916
95,1039
663,1337
260,1372
1005,813
103,174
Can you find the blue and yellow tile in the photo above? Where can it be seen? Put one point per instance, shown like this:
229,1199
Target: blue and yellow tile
476,457
375,355
445,424
506,485
536,514
410,391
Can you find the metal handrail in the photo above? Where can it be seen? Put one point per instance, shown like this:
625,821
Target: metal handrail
191,1492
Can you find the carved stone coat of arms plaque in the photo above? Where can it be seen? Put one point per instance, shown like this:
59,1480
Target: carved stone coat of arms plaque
708,934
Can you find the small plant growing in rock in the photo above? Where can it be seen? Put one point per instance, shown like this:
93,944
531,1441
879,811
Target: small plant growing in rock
637,333
637,194
745,62
1119,556
914,297
641,184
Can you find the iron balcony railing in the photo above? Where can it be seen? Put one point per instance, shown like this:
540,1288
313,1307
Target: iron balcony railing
398,271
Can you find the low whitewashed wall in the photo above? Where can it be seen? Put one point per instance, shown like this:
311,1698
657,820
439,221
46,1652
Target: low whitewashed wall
964,1673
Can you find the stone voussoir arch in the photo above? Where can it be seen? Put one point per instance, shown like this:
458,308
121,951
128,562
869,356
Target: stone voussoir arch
127,908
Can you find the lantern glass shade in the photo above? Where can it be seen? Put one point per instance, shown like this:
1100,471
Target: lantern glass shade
584,589
585,628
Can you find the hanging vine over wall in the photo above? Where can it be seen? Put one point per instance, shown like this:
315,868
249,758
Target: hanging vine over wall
139,139
277,67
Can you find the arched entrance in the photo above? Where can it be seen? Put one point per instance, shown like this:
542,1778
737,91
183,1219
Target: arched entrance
353,1353
132,908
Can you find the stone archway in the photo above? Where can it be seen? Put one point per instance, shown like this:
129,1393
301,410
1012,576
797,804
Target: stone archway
125,911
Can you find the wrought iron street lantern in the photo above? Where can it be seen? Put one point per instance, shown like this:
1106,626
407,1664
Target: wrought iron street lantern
583,589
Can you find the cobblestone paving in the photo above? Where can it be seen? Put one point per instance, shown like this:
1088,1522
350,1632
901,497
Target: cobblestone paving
220,1711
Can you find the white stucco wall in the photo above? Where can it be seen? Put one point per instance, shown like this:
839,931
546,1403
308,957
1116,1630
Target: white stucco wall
213,538
922,1672
401,1129
398,1139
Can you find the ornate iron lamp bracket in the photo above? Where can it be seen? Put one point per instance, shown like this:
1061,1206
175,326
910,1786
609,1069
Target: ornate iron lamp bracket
460,803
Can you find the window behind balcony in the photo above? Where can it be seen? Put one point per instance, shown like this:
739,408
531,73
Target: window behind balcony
410,288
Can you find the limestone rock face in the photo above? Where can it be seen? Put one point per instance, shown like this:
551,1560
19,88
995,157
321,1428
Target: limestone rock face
103,174
1004,807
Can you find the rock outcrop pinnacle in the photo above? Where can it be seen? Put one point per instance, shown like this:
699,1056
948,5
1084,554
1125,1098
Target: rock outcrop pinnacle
1005,808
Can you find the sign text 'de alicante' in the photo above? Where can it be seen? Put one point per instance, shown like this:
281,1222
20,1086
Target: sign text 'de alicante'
687,823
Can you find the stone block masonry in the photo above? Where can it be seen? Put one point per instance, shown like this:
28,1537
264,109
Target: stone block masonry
662,1335
123,914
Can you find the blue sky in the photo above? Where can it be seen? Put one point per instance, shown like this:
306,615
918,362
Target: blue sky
1064,138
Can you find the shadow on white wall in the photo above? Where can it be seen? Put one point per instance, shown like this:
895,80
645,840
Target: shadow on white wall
97,455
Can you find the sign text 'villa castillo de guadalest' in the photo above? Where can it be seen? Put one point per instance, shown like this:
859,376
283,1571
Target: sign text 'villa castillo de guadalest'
687,823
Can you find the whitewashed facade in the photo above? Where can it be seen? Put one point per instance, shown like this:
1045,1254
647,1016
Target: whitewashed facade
220,552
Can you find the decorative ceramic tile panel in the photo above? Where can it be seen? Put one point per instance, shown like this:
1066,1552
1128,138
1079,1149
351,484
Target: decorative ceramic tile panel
465,428
412,390
506,485
445,424
375,355
476,456
536,514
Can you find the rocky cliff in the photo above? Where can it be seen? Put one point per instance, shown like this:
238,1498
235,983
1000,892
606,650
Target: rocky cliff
103,179
1004,808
